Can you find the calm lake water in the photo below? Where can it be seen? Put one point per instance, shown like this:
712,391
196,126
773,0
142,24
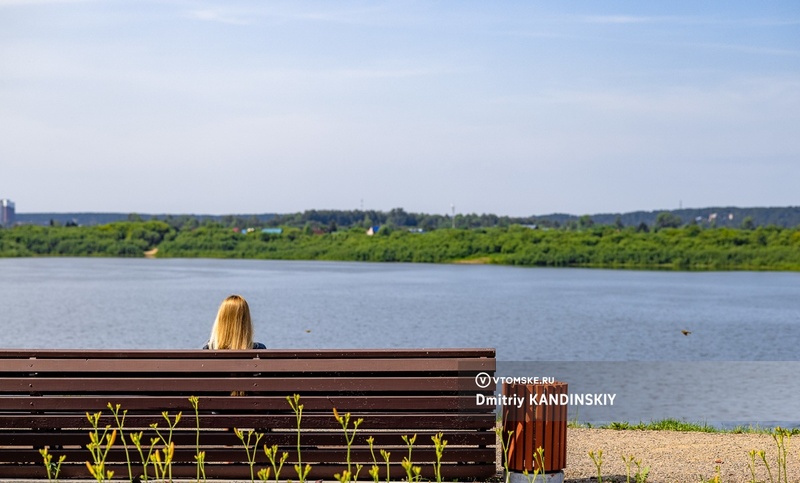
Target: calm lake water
559,323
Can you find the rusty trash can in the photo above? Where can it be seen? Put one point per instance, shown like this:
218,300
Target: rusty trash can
536,425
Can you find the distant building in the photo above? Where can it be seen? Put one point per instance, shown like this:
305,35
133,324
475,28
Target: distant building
272,231
7,213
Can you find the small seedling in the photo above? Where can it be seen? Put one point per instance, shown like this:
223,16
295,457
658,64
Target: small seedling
163,465
439,444
277,465
53,469
597,458
349,437
250,450
505,443
120,425
200,456
538,465
385,454
412,472
99,454
641,473
302,471
136,439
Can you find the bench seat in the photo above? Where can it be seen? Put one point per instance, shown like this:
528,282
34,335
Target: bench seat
45,396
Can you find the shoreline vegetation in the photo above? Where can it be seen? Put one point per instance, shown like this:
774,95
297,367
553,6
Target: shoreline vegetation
661,247
670,424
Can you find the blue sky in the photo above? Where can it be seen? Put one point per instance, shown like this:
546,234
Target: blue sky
515,108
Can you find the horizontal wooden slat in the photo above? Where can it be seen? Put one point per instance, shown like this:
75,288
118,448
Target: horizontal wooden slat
242,471
205,365
463,420
261,354
247,403
227,437
112,385
234,453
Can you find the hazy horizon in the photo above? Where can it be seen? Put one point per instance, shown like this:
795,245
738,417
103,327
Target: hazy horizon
556,213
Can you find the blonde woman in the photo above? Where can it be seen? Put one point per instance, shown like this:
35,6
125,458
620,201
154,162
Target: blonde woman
233,328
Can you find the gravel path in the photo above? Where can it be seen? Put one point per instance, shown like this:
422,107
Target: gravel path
675,456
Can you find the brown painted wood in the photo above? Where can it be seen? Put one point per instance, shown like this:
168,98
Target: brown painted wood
146,385
285,421
421,455
45,395
244,403
541,426
197,365
212,437
251,354
239,471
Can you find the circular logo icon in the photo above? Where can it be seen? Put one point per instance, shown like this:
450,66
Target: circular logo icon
482,380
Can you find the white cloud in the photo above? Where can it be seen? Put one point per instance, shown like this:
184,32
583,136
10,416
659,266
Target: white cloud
621,19
291,12
216,16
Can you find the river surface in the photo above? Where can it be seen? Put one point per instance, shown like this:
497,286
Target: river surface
604,331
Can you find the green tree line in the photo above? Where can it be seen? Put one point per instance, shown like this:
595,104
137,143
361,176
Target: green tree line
119,239
710,217
689,247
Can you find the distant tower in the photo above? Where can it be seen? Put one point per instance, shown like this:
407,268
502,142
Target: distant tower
6,212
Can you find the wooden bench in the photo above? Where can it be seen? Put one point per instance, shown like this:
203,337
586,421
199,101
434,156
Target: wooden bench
45,395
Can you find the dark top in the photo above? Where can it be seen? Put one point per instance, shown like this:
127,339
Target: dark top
256,345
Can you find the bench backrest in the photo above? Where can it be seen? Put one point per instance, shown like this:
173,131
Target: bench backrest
45,395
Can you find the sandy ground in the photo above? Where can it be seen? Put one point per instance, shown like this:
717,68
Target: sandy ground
675,456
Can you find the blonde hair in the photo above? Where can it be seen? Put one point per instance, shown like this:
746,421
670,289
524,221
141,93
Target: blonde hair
233,328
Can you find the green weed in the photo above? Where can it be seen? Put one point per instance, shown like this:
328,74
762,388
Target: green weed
120,425
412,472
597,458
751,465
782,437
250,450
349,436
53,469
763,455
302,471
374,470
162,459
664,425
200,456
538,465
717,478
439,444
136,439
277,465
627,460
385,454
505,443
97,468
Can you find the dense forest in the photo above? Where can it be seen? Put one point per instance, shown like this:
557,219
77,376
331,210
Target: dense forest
668,244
